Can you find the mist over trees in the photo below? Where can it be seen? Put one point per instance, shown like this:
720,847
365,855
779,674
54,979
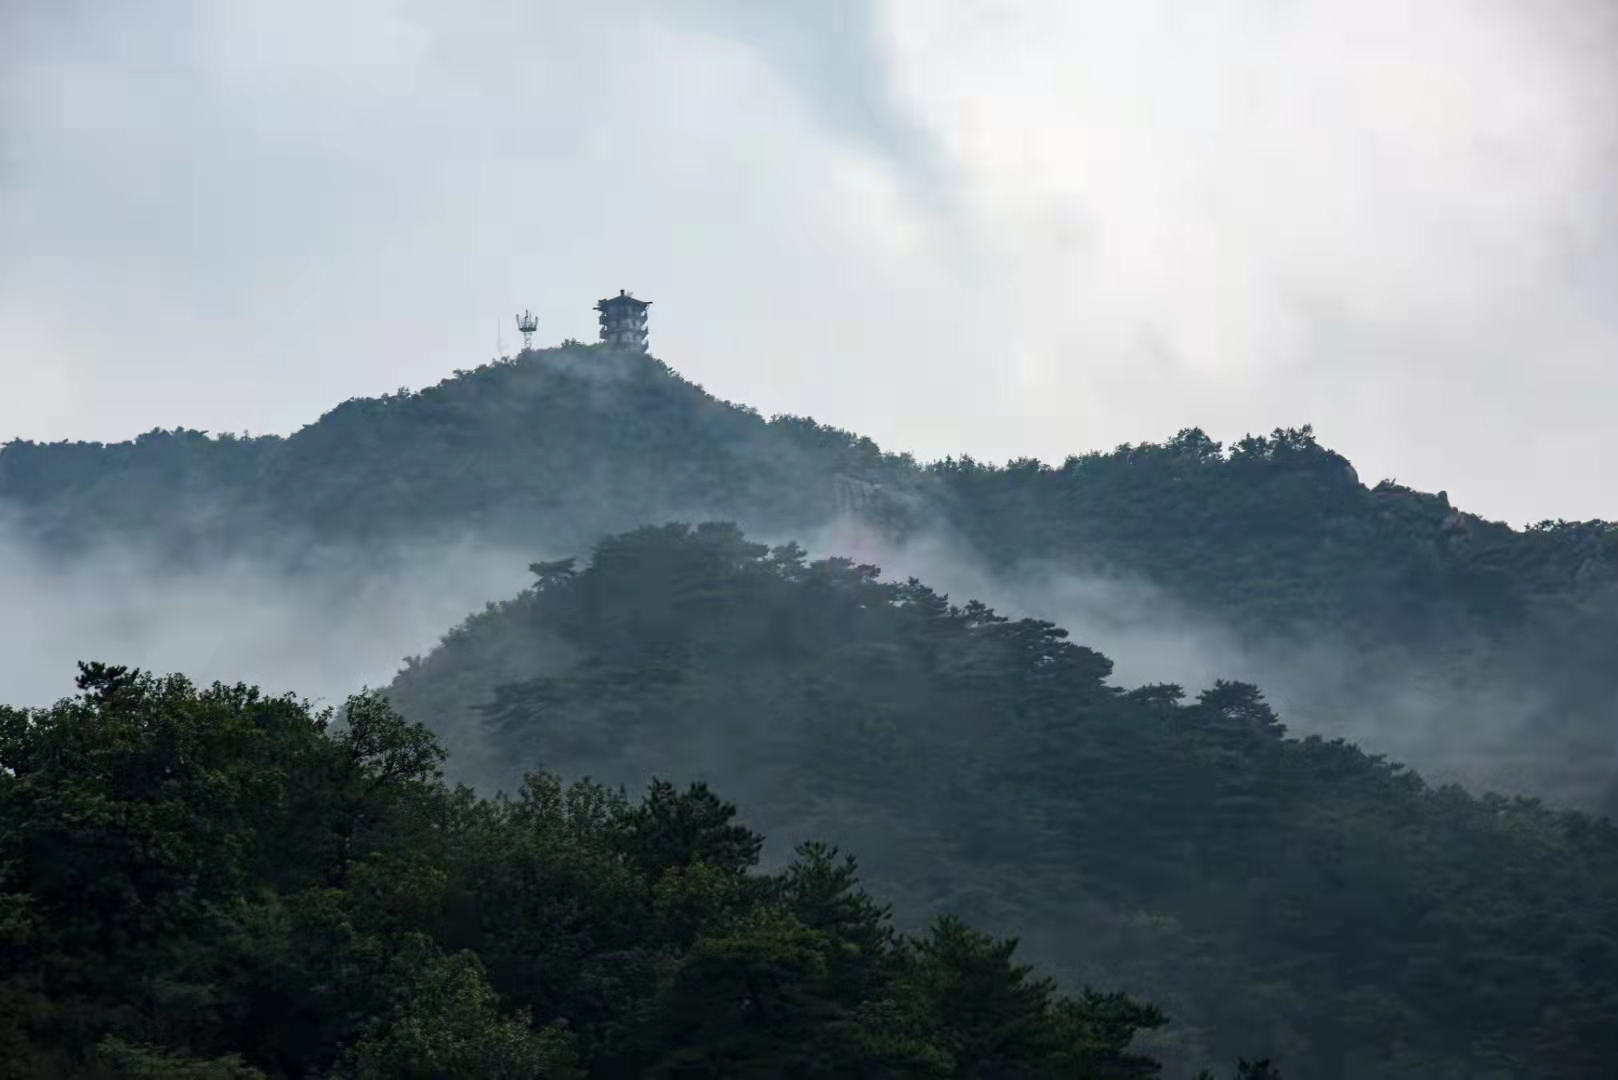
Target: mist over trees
1499,639
1298,895
221,883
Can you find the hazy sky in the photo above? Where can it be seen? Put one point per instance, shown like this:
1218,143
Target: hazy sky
995,227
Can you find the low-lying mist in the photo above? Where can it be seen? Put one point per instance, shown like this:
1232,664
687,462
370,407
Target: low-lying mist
348,618
345,622
1485,735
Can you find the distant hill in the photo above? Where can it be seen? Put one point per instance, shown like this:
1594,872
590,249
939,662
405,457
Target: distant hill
1448,636
1433,616
1268,891
562,445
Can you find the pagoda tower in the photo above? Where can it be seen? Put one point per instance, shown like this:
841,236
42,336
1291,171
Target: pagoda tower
623,322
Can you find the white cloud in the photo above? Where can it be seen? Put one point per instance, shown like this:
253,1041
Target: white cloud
1196,205
1006,228
324,634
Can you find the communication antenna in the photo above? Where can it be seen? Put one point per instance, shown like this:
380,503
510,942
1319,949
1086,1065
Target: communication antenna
527,322
499,343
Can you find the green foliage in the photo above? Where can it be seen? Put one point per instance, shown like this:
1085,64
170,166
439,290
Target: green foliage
444,1019
115,1057
1294,894
211,884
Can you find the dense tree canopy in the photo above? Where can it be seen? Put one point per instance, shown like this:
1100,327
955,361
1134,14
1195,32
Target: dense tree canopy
1298,895
216,884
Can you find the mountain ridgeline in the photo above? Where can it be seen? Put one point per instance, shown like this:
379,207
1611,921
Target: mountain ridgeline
1480,652
557,447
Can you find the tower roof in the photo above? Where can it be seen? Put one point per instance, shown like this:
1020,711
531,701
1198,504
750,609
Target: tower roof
622,300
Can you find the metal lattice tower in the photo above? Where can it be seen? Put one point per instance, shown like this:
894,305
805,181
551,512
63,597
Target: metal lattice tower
527,322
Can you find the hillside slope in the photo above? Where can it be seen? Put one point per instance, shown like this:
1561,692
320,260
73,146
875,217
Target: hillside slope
1476,649
218,884
561,445
1298,895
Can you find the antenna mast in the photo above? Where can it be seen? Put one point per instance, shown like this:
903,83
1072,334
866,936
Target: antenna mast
527,322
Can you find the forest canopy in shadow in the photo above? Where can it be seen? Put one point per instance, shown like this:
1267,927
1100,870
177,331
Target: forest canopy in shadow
217,884
1298,895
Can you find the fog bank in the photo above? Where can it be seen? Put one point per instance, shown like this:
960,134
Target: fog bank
323,633
349,618
1451,727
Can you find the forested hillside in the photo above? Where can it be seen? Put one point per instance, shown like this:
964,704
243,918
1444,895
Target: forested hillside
1293,894
1485,628
559,446
217,885
1499,639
